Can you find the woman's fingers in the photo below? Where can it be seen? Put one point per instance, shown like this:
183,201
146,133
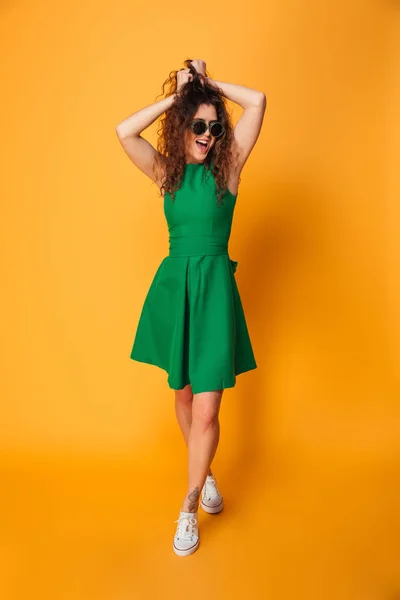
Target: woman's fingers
199,65
182,77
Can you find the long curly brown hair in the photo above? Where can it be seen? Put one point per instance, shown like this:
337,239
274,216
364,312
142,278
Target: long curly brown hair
171,159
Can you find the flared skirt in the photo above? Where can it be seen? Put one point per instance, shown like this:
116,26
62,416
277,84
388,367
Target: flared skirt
192,324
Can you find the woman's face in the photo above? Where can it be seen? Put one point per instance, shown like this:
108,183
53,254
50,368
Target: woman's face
196,152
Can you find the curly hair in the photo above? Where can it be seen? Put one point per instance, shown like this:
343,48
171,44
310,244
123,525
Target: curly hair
171,158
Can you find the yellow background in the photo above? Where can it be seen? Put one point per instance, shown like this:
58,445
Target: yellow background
93,463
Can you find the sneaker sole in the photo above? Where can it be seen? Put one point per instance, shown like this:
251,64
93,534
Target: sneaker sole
212,510
188,551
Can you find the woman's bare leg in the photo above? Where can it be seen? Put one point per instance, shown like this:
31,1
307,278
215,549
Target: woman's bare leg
202,444
183,411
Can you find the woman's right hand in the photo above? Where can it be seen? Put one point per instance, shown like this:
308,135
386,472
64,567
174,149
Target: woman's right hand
182,77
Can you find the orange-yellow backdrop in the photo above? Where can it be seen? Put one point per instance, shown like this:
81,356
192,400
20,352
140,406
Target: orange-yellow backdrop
93,463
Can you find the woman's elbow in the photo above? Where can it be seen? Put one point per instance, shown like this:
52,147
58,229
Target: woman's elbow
262,100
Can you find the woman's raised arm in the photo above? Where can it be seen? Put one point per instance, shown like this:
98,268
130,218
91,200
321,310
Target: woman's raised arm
248,127
139,150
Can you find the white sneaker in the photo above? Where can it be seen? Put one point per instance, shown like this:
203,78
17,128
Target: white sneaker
186,538
211,499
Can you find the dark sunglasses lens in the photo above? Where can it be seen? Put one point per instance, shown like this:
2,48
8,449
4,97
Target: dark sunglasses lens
217,129
199,127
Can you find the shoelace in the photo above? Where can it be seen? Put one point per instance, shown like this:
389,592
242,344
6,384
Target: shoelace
210,489
186,527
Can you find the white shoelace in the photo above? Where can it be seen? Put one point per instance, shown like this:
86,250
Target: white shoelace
186,528
210,489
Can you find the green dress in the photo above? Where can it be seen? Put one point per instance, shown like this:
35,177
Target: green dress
192,322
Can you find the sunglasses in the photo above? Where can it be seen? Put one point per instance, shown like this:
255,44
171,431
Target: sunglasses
200,126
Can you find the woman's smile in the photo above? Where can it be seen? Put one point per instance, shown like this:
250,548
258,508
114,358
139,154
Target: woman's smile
203,144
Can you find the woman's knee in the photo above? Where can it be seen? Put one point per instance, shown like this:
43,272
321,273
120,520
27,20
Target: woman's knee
206,408
184,397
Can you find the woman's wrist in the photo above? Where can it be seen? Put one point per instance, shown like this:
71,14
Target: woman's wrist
210,81
171,99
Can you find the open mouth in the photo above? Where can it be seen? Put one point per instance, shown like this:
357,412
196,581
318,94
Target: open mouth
202,145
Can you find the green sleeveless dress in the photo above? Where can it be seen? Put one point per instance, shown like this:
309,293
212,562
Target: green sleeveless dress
192,322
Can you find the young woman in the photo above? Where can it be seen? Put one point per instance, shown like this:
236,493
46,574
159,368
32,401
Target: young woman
192,323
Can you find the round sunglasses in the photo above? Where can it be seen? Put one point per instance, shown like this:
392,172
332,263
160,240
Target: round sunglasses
200,126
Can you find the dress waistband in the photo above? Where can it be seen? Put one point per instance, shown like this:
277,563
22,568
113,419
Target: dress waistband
192,246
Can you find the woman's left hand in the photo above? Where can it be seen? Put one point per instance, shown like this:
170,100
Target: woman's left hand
200,66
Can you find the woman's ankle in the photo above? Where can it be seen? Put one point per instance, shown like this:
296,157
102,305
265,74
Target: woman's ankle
191,501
